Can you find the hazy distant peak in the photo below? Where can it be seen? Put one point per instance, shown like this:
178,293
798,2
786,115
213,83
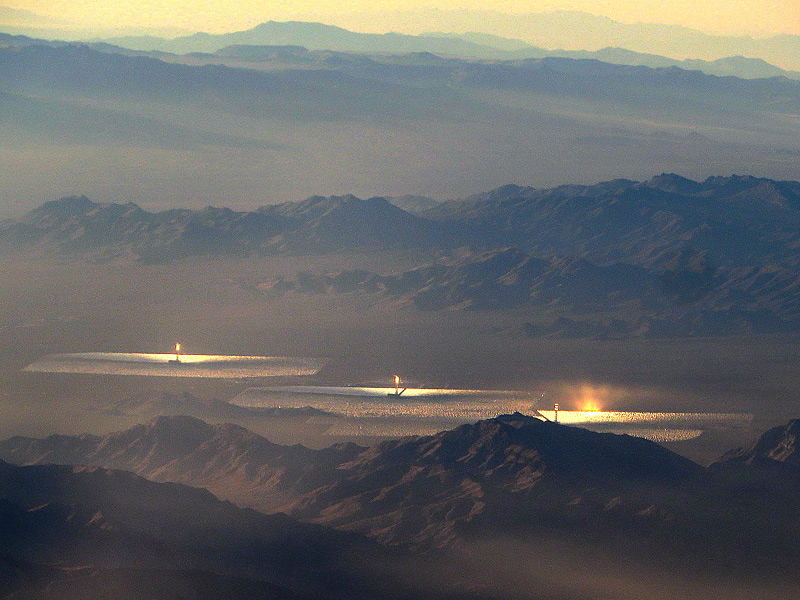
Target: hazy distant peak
16,17
323,205
78,206
670,182
296,25
70,205
732,184
413,204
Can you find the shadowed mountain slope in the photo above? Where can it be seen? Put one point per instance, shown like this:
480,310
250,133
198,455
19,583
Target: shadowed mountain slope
109,519
770,466
512,477
415,489
778,445
227,459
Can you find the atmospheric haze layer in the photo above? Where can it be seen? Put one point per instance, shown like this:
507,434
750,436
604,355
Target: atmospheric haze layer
243,126
611,354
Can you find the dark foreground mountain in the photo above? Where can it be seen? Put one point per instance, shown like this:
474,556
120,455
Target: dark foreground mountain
778,446
120,528
514,481
511,476
770,466
429,489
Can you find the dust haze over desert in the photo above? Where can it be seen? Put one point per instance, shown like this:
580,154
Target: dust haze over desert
399,300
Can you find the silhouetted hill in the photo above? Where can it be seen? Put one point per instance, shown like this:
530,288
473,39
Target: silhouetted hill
512,477
421,489
770,465
80,516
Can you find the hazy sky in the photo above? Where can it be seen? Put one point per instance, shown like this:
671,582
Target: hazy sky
724,16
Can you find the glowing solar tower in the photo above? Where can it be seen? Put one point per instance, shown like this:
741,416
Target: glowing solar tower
397,391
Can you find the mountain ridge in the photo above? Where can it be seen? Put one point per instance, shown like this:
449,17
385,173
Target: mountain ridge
320,36
513,477
667,257
348,486
563,29
77,516
536,113
777,203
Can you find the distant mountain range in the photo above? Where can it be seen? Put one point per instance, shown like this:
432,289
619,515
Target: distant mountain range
313,36
736,221
662,258
470,32
584,31
32,65
274,122
302,41
320,37
315,225
510,476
